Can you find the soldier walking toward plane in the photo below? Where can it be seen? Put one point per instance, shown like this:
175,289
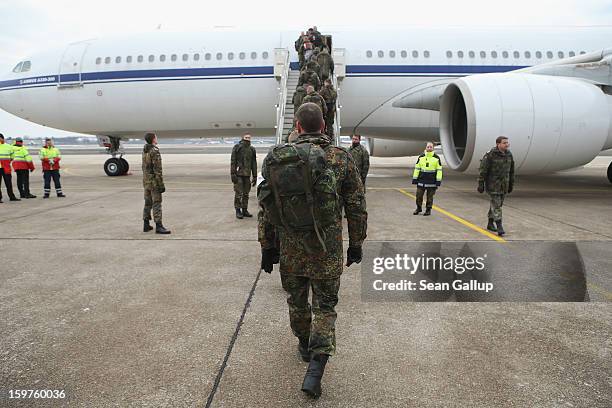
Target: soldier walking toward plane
329,95
326,64
497,179
361,158
6,156
300,209
298,96
300,49
309,77
243,170
50,156
153,183
23,166
314,97
427,176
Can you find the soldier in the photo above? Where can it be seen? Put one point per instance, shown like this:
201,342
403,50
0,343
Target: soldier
300,50
309,77
243,167
329,95
314,97
298,96
6,156
497,179
50,156
326,62
23,166
361,158
312,257
153,183
427,176
314,66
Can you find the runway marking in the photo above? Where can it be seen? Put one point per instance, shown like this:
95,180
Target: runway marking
68,171
605,293
458,219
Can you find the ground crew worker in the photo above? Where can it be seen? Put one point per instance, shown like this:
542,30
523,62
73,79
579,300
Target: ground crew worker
497,179
298,96
23,166
361,158
153,183
6,156
304,264
243,170
326,62
309,77
329,95
427,176
50,157
314,97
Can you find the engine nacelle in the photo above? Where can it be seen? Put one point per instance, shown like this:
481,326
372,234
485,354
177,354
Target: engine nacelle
552,123
395,148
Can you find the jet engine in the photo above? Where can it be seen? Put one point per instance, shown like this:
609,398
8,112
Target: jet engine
395,148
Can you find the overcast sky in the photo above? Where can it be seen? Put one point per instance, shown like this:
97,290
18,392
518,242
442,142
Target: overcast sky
31,25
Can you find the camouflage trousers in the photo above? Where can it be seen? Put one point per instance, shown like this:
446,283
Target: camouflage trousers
242,188
431,191
153,202
317,322
495,209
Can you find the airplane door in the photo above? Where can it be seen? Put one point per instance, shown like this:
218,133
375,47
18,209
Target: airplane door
71,65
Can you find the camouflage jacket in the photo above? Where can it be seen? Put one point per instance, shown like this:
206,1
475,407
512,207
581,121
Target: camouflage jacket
326,63
316,98
314,66
329,95
152,174
243,161
362,160
309,77
298,96
497,171
294,258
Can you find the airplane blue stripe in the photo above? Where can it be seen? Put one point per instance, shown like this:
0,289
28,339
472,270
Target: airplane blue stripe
193,73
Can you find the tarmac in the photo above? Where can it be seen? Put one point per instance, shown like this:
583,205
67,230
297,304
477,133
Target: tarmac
115,317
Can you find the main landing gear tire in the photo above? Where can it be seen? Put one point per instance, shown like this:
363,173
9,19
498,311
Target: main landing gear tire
610,172
125,166
113,167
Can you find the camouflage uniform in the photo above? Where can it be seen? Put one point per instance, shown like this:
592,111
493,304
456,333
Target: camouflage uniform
309,77
314,66
243,166
330,95
316,99
153,183
497,174
298,96
300,50
319,270
362,160
326,62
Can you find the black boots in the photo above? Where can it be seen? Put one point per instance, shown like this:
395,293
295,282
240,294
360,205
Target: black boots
30,195
491,225
427,212
13,198
246,213
500,228
239,213
160,229
312,379
61,195
303,349
417,211
147,227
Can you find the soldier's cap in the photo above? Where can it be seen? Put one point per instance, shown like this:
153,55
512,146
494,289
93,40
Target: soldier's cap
17,140
149,138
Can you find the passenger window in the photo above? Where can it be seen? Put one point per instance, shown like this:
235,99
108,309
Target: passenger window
162,58
426,54
582,52
561,54
404,54
369,54
26,66
242,55
549,54
219,56
196,57
207,56
505,54
527,54
264,55
472,54
381,53
230,56
516,54
118,60
392,54
140,58
128,59
572,54
107,60
98,62
538,54
253,55
173,57
415,54
494,54
151,58
449,54
483,54
185,57
460,54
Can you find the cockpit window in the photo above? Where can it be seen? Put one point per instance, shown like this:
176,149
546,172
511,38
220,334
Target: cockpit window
17,67
23,66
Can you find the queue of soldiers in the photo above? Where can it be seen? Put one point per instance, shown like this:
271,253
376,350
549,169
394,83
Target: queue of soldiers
17,157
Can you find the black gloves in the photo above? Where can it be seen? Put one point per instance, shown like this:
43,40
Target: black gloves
414,181
269,257
353,254
234,179
161,189
254,181
481,187
510,188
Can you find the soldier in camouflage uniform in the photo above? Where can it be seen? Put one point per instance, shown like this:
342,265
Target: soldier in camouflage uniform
298,96
326,62
314,97
361,157
302,267
243,171
299,43
153,183
309,77
497,179
329,95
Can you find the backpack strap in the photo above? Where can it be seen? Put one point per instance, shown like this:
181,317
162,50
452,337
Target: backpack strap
309,196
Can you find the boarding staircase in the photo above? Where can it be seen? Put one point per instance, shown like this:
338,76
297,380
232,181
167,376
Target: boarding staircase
287,82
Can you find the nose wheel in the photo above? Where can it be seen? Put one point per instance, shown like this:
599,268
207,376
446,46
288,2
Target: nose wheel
116,167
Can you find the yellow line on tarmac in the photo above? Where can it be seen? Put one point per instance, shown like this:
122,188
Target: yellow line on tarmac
458,219
68,171
606,294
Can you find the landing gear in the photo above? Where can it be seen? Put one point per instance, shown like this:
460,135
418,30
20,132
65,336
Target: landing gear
116,166
610,172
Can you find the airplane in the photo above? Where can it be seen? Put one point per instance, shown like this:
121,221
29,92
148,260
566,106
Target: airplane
546,88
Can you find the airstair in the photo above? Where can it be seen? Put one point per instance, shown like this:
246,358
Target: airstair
287,82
